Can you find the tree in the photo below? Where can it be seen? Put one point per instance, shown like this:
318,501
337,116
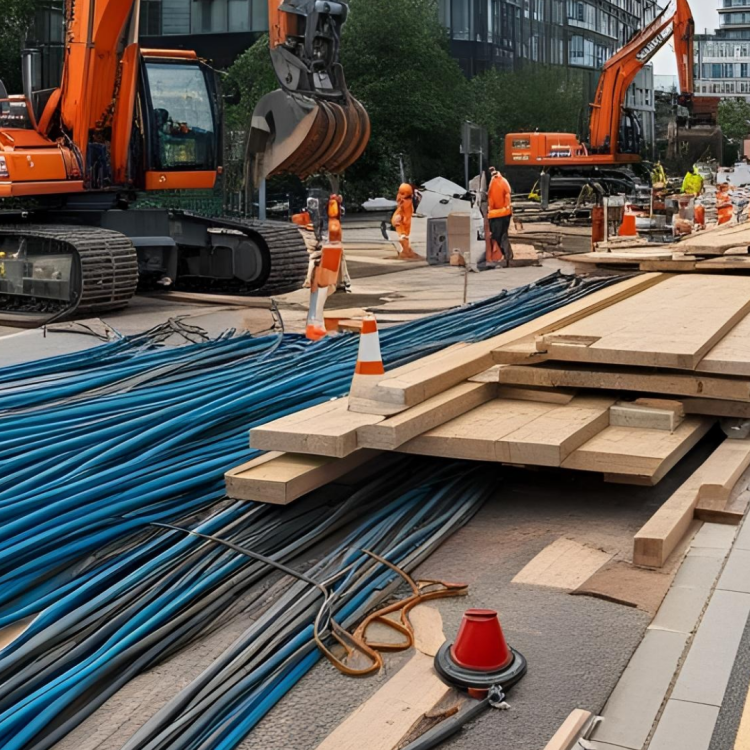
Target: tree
252,77
17,16
533,98
398,64
734,119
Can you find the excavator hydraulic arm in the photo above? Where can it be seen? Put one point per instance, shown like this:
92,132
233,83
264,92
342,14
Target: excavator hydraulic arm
312,123
619,72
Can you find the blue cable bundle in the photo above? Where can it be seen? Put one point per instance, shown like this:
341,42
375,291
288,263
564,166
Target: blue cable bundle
97,445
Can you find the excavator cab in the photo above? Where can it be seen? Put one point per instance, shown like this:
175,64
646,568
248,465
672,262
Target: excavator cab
312,123
180,117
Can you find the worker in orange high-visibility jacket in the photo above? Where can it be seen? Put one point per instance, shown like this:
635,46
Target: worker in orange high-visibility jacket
401,221
499,213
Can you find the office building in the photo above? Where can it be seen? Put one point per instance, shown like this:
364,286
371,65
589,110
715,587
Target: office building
723,58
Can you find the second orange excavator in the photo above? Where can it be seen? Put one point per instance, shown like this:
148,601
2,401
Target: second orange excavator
125,120
615,135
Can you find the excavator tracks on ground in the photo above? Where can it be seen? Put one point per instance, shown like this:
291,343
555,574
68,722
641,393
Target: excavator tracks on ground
104,275
287,253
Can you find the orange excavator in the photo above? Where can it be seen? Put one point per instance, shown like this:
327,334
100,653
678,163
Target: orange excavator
615,134
125,120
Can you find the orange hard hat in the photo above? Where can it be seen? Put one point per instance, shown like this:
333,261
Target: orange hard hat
406,189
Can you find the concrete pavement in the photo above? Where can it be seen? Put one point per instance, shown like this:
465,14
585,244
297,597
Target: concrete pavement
686,687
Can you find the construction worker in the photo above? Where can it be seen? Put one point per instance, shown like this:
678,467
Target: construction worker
401,221
499,213
693,182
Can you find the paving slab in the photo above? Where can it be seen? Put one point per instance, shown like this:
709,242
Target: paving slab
635,702
736,575
704,676
690,590
685,726
715,536
743,538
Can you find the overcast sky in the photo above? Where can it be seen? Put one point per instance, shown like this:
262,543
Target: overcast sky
706,17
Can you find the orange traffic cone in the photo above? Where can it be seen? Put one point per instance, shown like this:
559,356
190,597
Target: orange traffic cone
628,228
369,358
480,658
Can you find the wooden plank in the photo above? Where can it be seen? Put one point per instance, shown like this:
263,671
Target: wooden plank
389,714
402,388
199,298
567,736
637,452
515,431
731,355
661,534
552,437
627,379
677,407
716,241
632,415
397,430
280,478
716,408
668,266
542,395
328,429
564,564
673,326
474,435
721,472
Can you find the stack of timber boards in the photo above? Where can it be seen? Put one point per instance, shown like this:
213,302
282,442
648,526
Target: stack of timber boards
722,248
451,405
688,337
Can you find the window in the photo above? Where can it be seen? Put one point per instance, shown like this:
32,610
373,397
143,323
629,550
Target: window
461,20
182,117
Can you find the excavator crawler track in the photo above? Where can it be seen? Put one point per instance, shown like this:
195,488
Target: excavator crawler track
287,253
104,275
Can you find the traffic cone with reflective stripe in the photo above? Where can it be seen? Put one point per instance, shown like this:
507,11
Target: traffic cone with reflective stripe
369,358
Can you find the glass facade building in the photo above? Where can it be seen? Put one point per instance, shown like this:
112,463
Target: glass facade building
722,61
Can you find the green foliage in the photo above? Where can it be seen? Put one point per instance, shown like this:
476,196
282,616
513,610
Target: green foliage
534,98
252,76
734,115
17,16
398,64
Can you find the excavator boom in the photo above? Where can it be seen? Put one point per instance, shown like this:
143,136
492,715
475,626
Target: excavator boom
614,132
619,72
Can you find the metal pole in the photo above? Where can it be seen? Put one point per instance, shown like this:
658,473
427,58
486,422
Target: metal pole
466,170
262,200
467,260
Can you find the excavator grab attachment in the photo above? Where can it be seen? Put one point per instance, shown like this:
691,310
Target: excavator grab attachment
312,123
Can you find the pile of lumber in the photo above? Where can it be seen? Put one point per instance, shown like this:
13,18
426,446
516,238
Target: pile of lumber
720,249
624,383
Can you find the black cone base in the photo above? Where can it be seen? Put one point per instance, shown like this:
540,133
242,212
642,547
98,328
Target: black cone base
463,678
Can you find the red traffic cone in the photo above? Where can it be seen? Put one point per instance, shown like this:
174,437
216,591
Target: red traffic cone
480,657
480,644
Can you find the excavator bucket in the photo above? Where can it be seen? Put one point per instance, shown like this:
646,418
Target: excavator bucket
312,123
297,134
